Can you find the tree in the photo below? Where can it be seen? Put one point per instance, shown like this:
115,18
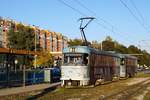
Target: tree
133,49
121,48
108,38
22,38
45,58
75,42
108,44
95,45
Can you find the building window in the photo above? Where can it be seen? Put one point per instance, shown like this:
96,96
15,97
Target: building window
56,43
1,45
44,41
37,40
62,45
53,46
51,40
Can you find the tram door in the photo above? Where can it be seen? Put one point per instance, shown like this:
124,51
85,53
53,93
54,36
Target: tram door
122,71
107,73
122,68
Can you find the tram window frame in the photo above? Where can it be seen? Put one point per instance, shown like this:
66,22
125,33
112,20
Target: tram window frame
122,61
84,57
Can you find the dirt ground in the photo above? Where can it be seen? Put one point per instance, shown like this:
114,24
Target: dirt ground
129,89
135,81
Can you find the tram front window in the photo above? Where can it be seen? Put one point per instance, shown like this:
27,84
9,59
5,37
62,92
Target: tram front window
75,59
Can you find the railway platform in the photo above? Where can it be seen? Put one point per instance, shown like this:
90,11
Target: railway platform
30,88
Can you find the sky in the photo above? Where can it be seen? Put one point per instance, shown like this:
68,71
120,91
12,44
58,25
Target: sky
127,22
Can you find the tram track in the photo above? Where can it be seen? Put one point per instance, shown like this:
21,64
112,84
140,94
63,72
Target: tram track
129,93
128,89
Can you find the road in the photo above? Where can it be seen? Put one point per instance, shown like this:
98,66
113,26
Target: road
19,90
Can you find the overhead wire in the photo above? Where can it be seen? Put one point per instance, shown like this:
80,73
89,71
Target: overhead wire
97,18
101,19
134,16
89,10
74,9
139,13
145,42
83,14
143,21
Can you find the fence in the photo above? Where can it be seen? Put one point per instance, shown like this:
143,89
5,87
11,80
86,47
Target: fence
36,76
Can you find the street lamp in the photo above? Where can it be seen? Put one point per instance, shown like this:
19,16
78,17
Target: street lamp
35,58
16,62
35,45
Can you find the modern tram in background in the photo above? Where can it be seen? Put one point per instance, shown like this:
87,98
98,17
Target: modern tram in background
83,65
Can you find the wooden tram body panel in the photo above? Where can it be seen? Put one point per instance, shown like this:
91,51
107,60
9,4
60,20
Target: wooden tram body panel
131,65
103,65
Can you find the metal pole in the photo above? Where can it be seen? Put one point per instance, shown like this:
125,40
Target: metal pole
35,60
15,68
140,45
82,27
16,61
8,66
24,76
101,45
7,69
34,77
35,48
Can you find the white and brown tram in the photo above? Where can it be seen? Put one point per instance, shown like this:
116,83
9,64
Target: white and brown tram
83,66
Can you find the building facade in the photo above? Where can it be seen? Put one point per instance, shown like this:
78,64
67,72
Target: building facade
51,41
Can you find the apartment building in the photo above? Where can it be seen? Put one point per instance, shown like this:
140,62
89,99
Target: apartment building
51,41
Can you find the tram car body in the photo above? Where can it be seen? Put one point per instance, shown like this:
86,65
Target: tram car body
95,66
83,66
128,66
131,65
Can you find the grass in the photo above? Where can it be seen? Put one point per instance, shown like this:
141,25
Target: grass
82,93
142,74
147,96
91,93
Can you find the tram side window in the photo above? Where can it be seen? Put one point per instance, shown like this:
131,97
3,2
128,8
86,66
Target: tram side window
122,61
76,59
72,59
85,59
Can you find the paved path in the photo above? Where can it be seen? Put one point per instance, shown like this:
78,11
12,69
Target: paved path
16,90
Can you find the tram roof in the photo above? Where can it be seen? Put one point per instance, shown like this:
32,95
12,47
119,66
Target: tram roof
89,50
129,56
77,49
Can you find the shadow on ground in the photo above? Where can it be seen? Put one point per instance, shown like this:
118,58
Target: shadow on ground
42,93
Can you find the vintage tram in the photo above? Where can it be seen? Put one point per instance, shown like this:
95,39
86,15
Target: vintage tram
83,66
